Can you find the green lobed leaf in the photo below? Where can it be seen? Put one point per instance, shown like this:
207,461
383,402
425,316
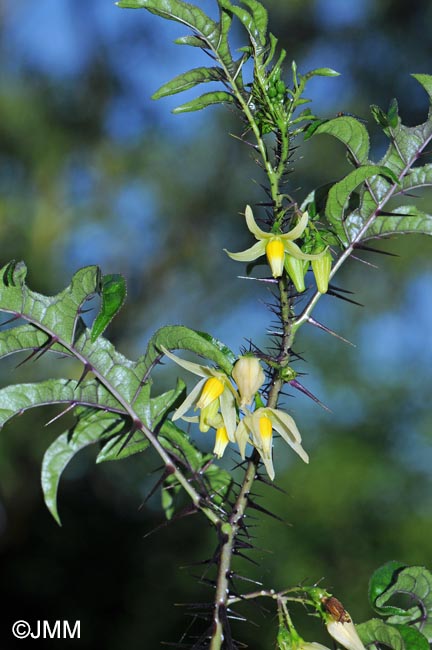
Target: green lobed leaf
60,312
17,398
208,99
340,192
349,131
395,579
25,337
188,80
113,295
181,12
91,427
415,582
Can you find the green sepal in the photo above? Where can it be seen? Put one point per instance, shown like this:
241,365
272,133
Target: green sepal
188,80
296,270
321,268
113,294
208,99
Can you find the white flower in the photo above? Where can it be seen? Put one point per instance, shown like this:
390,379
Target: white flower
214,390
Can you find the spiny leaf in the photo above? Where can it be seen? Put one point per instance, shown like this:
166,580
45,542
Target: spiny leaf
208,99
113,295
56,312
404,220
91,427
17,398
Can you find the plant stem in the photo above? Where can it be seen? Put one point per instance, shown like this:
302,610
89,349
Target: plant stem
229,532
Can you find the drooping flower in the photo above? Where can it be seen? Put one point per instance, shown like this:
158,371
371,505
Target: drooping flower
259,425
274,245
344,632
321,269
249,377
212,392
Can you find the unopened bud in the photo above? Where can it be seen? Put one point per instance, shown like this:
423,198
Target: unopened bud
249,377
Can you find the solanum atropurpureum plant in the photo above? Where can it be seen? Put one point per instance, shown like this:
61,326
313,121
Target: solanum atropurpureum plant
303,240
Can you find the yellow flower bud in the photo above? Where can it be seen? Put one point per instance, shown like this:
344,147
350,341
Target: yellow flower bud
208,416
275,252
213,388
249,377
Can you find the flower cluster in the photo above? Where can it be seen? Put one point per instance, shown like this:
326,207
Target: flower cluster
229,410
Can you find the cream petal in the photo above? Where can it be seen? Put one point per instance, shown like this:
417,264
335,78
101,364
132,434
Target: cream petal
195,368
298,230
287,429
283,422
249,254
189,401
253,226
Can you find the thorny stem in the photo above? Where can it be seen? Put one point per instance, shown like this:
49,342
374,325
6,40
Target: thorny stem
229,530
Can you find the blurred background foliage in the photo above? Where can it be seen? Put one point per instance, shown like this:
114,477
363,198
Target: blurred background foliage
93,172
